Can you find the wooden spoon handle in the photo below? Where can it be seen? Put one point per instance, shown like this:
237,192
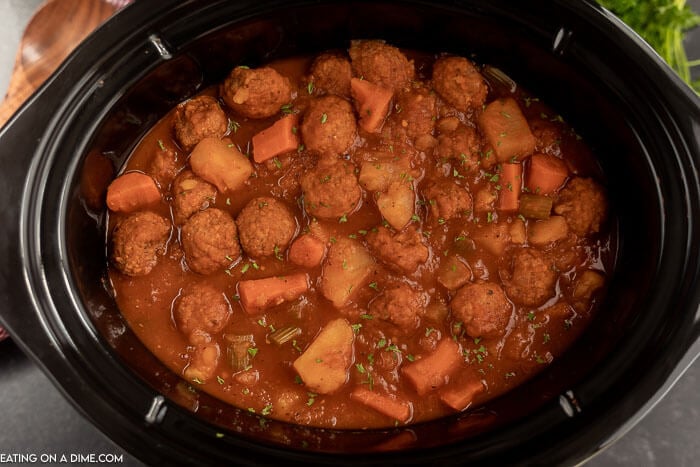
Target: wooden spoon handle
54,31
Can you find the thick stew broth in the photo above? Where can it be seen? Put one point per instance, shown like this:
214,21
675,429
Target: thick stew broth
421,236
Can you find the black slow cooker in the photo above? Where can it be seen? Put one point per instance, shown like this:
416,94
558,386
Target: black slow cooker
641,120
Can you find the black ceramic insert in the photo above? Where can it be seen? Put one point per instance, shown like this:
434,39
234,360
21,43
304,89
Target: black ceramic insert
640,119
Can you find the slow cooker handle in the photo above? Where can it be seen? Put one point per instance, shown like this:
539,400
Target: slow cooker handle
20,140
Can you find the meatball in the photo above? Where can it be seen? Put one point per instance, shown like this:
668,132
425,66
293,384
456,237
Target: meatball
199,118
403,250
201,307
463,145
533,278
381,64
483,309
400,305
164,166
415,111
329,125
265,227
331,189
190,194
257,93
330,74
137,241
447,200
583,205
210,241
547,135
459,83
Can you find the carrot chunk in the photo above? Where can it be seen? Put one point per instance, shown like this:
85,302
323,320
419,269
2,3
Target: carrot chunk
132,191
372,103
461,397
506,130
307,251
260,294
391,406
324,365
434,371
511,183
278,139
546,174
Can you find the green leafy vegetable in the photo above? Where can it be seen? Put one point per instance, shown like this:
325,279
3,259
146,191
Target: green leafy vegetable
662,23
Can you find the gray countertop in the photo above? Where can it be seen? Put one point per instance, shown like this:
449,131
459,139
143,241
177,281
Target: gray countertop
36,418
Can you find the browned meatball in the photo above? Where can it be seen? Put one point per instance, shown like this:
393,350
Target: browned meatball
202,307
459,83
199,118
265,227
191,194
137,242
462,145
210,241
404,250
329,125
401,305
330,74
415,111
380,64
164,166
533,277
483,309
331,190
257,93
447,200
547,135
582,202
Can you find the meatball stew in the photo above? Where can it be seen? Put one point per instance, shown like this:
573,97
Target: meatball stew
359,239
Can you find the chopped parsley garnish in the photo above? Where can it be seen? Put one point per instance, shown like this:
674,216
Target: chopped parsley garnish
267,410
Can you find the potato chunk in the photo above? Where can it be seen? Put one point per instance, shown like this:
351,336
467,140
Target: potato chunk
324,364
398,204
221,165
506,130
544,232
347,266
493,238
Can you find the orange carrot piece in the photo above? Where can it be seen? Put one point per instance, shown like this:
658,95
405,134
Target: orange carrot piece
434,371
506,130
260,294
461,397
546,174
393,407
511,183
307,251
372,103
132,191
275,140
